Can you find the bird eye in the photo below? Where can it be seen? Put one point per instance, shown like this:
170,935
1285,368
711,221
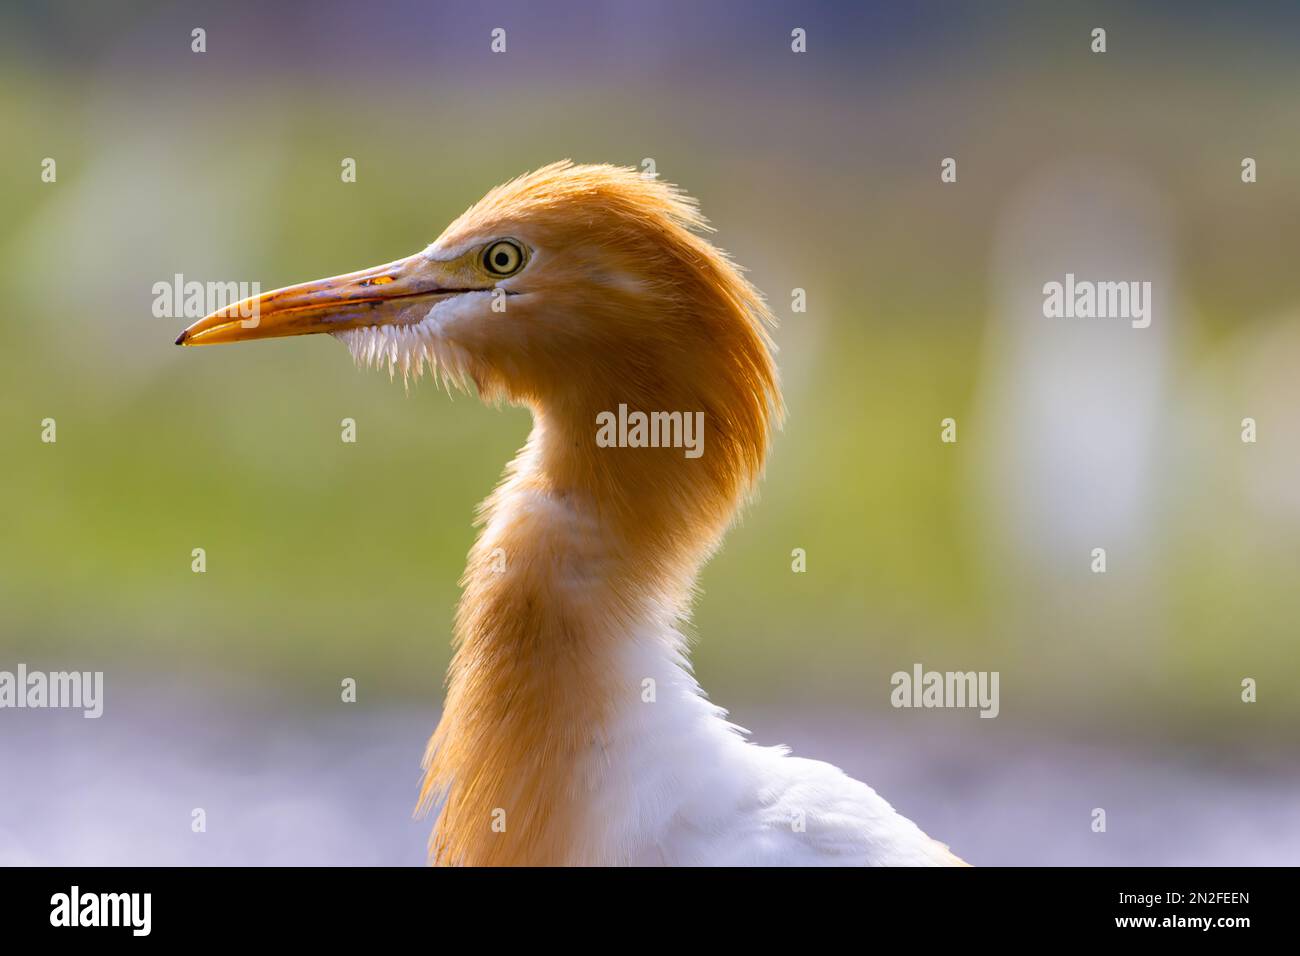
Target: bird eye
503,258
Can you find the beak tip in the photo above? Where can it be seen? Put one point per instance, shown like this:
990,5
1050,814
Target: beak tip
180,339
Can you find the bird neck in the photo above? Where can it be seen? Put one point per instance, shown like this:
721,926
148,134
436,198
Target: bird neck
584,552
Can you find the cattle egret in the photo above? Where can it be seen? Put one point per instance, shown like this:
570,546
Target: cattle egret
573,731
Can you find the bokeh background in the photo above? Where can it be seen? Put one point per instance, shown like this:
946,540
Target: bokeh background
821,171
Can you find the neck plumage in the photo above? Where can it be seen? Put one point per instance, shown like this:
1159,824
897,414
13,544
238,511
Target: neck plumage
583,552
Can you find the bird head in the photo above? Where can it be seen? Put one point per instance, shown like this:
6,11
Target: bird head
572,289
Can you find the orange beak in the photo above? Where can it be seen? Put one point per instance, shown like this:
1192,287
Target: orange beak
397,293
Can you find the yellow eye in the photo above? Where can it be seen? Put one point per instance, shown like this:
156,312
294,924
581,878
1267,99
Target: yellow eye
503,258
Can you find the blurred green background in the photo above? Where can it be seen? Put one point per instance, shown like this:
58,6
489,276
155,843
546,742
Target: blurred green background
821,171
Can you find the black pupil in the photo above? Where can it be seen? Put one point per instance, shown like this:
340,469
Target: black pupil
502,259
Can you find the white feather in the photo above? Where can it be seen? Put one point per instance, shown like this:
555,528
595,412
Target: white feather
674,783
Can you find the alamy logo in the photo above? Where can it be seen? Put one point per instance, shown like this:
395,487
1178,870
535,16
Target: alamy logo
179,299
75,908
651,430
922,688
58,689
1083,299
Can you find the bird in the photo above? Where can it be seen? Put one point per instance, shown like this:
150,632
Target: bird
573,731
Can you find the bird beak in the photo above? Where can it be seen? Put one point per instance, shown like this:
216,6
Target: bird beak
400,292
